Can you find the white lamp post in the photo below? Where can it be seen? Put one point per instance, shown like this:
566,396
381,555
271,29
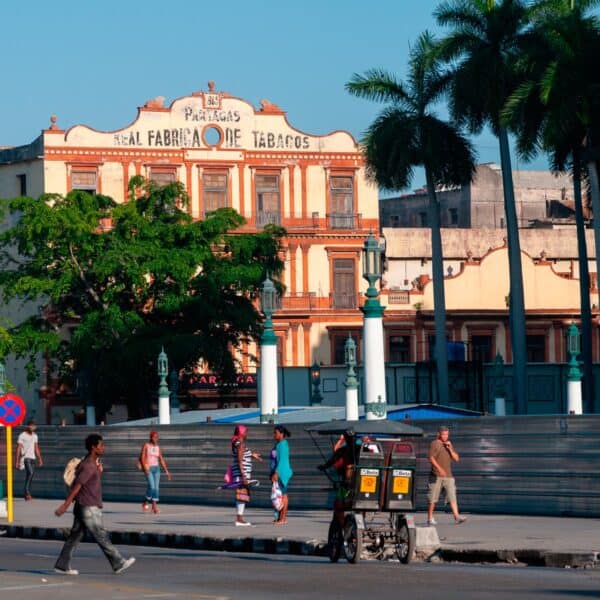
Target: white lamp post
375,395
164,412
268,355
574,400
351,382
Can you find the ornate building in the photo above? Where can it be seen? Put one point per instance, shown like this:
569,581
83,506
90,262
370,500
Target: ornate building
228,153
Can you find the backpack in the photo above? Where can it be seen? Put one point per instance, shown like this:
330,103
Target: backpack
69,472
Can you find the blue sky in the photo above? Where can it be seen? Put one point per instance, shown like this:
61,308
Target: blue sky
94,62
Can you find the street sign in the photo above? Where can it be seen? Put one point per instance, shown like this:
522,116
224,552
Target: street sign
12,410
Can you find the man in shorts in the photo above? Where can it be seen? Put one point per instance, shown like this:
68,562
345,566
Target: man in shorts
441,455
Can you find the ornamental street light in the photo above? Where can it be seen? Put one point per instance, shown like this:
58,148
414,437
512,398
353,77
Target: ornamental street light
164,412
315,378
351,382
375,394
268,355
574,396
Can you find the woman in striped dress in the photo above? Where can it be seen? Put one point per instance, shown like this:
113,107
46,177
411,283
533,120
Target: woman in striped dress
241,471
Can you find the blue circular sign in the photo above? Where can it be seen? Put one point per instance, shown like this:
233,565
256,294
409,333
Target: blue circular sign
12,410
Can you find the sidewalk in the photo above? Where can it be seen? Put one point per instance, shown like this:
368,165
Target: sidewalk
550,541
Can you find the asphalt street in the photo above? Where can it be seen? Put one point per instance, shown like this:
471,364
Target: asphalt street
26,573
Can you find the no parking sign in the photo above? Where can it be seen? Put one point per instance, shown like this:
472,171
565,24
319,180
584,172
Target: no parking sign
12,413
12,410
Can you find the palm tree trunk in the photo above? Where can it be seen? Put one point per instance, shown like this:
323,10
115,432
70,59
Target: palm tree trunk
592,169
584,288
517,301
439,297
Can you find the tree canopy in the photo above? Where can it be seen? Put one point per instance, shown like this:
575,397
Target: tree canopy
126,279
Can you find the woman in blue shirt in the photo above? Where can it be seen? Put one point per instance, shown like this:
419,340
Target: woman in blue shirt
281,471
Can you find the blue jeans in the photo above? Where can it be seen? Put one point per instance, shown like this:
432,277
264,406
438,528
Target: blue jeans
88,518
153,479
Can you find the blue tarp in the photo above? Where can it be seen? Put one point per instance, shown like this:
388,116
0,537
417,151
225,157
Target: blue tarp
428,411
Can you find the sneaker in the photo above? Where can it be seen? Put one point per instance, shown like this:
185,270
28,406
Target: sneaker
243,524
66,571
431,521
125,565
460,520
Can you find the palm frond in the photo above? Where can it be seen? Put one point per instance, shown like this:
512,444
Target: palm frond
377,85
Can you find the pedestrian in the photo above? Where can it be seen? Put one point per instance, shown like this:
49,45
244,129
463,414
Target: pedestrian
281,470
27,451
241,472
441,455
86,491
152,459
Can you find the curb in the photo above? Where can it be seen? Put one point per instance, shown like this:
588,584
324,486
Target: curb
532,558
279,545
182,541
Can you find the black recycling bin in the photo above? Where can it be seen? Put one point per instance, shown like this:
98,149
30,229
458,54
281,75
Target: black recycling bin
369,477
400,485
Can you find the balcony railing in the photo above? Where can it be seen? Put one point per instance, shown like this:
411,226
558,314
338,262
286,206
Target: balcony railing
268,218
344,221
399,297
342,300
299,301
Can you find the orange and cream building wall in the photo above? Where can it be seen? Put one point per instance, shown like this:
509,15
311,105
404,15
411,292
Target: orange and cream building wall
227,152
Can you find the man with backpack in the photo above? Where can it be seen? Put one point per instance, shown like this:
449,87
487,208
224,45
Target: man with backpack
86,491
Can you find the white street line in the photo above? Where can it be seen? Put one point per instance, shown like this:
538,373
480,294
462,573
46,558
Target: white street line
40,555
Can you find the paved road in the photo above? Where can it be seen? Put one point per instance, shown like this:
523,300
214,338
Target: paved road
26,574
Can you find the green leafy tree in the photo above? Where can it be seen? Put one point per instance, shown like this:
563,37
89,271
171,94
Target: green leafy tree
482,47
152,278
408,134
556,110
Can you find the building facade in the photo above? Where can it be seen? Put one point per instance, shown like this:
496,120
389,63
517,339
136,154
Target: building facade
226,152
542,200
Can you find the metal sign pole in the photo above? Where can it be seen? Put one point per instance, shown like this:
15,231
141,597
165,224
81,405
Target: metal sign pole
9,474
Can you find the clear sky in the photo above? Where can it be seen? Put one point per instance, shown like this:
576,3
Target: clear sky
94,62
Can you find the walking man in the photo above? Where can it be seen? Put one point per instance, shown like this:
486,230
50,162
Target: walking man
86,491
441,456
27,452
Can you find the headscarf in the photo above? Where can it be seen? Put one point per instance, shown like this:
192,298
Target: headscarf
238,433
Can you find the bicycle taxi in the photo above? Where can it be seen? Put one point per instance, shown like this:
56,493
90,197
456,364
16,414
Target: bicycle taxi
372,469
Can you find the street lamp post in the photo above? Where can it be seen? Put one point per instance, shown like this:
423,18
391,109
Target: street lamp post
499,391
164,413
574,397
351,382
268,355
375,395
315,378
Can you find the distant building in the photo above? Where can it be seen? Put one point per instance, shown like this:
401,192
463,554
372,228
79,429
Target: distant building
542,200
477,287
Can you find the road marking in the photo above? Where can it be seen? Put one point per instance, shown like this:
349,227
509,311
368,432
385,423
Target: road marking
40,555
16,588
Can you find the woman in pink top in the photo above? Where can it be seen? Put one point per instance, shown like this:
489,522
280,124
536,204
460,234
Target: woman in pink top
152,459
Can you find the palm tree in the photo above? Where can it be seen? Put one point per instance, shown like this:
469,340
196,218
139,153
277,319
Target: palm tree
556,110
481,48
408,134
